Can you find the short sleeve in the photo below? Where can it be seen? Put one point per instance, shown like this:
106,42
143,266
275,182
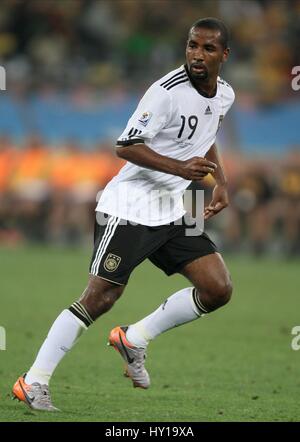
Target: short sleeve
151,115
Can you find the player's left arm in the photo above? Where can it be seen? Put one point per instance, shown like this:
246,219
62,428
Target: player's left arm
220,198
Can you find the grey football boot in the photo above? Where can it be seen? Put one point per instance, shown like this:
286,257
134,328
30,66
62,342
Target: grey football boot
35,395
134,357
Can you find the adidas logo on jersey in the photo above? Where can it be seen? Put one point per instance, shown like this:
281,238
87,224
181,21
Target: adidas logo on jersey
208,111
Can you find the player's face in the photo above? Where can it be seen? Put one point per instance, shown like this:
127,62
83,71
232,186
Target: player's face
204,53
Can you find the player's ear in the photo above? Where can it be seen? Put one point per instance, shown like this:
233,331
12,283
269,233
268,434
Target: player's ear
225,55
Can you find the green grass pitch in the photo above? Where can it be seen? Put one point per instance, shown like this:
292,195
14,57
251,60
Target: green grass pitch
233,365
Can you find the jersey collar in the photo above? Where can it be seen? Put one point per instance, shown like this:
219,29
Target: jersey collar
204,94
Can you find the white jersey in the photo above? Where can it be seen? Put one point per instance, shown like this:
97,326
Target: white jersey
177,121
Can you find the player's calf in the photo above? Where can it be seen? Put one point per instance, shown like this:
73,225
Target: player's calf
99,296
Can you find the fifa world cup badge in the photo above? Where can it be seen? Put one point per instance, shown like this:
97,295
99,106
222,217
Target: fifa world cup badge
145,118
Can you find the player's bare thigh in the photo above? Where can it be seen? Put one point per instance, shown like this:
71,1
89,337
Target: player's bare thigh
210,276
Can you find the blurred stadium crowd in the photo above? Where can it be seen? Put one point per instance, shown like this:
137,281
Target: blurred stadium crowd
98,52
107,46
49,195
88,47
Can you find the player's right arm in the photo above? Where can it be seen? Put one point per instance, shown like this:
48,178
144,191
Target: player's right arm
154,113
194,169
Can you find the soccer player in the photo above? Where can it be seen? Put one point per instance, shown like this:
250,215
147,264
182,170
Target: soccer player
169,141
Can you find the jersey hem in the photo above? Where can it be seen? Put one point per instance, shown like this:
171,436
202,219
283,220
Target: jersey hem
139,221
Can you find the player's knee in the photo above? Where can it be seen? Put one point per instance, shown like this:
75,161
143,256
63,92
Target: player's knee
216,294
223,291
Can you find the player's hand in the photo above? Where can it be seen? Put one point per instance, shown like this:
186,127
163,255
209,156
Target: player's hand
196,168
219,201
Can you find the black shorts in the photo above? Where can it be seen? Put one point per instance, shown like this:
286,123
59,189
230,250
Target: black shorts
120,247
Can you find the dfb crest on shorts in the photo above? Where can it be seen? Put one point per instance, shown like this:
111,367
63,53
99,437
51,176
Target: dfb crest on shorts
112,262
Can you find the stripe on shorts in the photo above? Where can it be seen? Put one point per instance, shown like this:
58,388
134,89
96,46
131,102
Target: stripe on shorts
102,241
112,224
